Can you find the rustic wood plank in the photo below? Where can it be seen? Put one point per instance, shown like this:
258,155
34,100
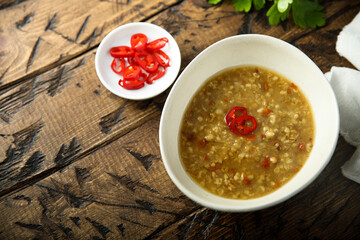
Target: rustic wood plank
326,209
68,114
38,35
52,119
9,3
112,193
59,130
197,25
123,187
54,79
319,44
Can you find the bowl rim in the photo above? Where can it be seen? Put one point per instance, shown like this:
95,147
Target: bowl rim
258,204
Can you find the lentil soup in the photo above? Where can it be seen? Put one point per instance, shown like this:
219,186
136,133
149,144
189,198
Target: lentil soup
250,165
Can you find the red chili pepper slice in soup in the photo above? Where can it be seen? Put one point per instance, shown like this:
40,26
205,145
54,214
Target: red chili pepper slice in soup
157,44
266,163
243,125
138,41
121,52
146,61
234,113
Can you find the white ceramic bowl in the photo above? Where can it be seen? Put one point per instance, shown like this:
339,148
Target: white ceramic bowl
273,54
121,36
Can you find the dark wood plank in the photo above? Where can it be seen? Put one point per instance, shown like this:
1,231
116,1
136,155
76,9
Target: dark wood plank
9,3
51,120
112,193
327,209
38,35
79,163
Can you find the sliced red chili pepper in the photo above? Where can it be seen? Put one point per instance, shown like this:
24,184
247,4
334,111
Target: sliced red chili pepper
277,183
234,113
146,61
157,44
266,163
132,72
251,137
266,112
191,136
162,58
138,41
118,65
143,77
135,84
141,56
247,181
239,125
121,51
131,86
294,86
156,75
132,61
202,143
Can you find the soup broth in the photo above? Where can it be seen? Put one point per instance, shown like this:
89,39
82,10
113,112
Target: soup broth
252,165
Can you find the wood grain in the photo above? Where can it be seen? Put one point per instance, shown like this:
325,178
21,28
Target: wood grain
68,115
77,162
38,35
327,209
93,198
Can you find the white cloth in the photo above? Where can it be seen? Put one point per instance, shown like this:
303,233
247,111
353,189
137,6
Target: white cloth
346,85
348,42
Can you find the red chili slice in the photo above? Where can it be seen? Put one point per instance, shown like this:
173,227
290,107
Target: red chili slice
156,75
140,63
122,51
247,181
132,72
239,125
118,65
138,41
234,113
146,61
143,77
132,61
266,163
162,58
134,84
157,44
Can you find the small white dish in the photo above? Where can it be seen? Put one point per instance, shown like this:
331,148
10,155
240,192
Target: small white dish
121,36
271,53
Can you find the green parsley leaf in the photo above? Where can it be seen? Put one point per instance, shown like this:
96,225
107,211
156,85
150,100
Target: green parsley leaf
242,5
308,13
259,4
283,5
305,12
275,16
214,2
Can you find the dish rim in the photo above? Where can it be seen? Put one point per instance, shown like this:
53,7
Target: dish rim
257,202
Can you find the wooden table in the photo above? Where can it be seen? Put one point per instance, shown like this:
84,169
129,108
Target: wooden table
77,162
